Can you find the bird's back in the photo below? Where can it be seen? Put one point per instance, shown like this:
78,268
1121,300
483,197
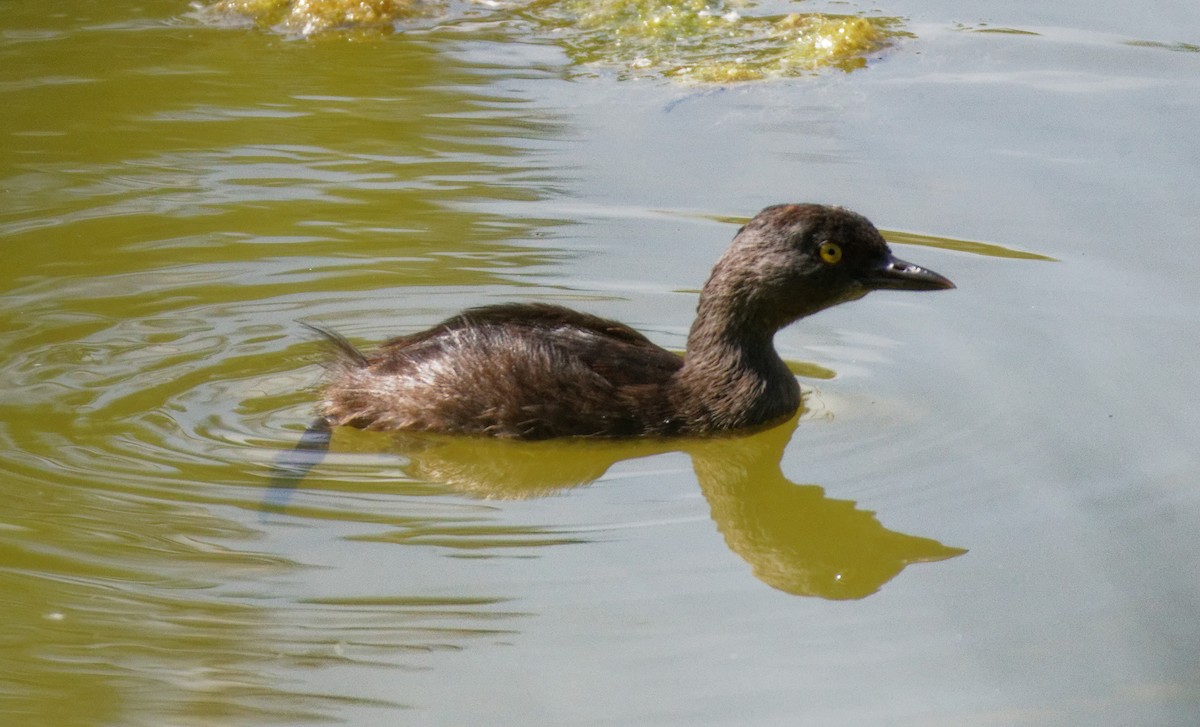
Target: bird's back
517,370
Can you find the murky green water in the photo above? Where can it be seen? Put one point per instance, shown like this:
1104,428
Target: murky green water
986,515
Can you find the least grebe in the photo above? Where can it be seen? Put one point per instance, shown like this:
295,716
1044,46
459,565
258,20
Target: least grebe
535,371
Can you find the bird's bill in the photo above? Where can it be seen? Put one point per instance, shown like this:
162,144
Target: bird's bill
896,274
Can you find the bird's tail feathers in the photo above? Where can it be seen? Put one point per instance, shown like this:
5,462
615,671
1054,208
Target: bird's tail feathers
346,350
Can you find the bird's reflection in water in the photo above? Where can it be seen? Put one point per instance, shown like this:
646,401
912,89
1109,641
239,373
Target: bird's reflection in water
794,537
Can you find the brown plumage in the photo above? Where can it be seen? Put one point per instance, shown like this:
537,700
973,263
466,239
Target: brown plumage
535,371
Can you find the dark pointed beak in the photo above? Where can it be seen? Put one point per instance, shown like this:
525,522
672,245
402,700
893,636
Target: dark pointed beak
896,274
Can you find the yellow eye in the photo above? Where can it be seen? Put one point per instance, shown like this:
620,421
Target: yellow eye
831,252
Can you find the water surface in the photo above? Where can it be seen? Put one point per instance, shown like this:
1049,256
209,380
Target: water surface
985,515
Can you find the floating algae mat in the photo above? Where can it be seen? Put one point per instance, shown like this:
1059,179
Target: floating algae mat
315,17
695,40
713,41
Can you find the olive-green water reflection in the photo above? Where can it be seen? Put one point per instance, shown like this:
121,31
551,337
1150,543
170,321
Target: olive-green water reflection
793,536
123,609
166,213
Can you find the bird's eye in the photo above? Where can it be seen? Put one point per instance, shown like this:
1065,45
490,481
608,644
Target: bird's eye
831,252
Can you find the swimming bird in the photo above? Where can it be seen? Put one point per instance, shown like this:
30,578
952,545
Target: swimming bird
537,371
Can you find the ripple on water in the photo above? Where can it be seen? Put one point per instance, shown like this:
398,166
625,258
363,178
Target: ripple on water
136,452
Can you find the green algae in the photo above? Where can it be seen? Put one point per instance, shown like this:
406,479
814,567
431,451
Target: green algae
985,28
1178,47
711,40
702,41
317,17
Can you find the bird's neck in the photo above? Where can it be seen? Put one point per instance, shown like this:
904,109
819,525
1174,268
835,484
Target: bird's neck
732,377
